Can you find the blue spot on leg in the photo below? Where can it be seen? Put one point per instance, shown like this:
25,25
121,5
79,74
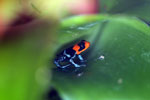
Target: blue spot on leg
65,66
76,65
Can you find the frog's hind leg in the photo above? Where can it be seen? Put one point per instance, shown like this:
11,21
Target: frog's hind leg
65,66
57,64
76,65
81,58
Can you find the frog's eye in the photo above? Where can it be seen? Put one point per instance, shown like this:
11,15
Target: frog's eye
82,46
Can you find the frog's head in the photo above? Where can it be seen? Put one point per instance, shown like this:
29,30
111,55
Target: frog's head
81,46
85,44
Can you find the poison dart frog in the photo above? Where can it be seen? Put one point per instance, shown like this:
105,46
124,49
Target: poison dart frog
69,54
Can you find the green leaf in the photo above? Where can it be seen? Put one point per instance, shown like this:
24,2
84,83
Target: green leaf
123,73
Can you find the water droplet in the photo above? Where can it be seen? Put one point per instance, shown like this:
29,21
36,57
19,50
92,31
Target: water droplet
146,56
82,28
120,81
101,57
79,74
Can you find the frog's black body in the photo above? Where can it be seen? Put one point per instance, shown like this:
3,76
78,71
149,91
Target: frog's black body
69,54
63,55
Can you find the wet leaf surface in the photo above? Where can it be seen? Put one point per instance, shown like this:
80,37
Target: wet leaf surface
117,61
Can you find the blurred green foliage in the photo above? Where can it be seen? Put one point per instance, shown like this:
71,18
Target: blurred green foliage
23,63
117,34
138,8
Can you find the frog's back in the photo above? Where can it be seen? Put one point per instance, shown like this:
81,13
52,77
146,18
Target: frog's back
70,51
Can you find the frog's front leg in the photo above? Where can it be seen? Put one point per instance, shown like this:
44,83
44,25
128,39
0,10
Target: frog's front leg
57,63
81,58
76,65
65,66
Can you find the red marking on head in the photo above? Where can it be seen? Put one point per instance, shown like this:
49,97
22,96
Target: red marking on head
76,47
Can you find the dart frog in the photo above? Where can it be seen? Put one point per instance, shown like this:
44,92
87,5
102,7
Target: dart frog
69,54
